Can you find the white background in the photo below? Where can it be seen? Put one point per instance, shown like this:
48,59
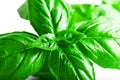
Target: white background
10,21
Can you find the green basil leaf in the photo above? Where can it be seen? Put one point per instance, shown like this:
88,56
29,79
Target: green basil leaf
102,44
45,73
48,16
82,12
102,26
103,51
23,11
114,3
17,58
46,42
69,36
68,63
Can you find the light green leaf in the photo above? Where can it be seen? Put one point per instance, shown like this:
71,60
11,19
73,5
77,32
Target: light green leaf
48,16
68,63
82,12
17,60
106,11
102,44
114,3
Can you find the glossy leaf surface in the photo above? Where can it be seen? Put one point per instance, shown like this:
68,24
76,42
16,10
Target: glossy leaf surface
17,60
69,36
46,42
45,73
94,34
48,16
102,44
69,58
68,63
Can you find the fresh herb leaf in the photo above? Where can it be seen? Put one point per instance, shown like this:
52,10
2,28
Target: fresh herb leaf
82,12
68,39
46,42
45,73
17,58
54,16
48,16
69,36
68,63
102,42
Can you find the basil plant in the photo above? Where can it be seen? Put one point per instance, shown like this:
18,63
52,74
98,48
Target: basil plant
70,38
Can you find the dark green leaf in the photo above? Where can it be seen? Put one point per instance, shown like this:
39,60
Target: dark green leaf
102,44
17,60
68,63
48,16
